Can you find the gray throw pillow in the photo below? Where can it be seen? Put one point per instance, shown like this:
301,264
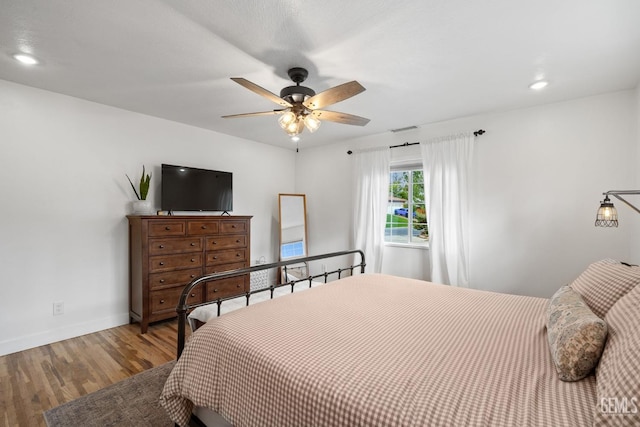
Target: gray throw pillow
576,335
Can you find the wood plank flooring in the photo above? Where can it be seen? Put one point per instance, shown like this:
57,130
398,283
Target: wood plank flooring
42,378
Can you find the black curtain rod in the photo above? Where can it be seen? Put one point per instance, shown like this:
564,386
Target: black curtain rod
406,144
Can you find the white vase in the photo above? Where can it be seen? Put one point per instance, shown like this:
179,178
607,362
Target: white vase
141,207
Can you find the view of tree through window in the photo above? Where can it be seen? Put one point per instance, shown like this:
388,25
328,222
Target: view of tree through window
406,212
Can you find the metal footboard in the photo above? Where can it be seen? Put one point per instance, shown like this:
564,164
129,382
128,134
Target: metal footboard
183,308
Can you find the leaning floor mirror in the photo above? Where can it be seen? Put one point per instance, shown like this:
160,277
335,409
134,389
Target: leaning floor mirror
293,234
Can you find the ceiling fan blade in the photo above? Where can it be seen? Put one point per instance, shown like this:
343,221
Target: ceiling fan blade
333,95
344,118
261,91
261,113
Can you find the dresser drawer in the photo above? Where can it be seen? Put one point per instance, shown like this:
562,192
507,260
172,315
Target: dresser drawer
161,263
226,257
173,278
225,267
225,288
227,227
166,228
173,246
167,299
199,228
226,242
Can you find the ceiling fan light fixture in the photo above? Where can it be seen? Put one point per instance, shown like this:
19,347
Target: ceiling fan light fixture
286,119
311,123
293,128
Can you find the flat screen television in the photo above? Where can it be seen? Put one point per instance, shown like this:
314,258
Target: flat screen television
191,189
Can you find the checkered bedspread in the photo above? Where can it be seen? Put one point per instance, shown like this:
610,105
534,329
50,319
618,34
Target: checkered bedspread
377,350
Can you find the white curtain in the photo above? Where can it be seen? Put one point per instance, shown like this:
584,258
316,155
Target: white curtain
371,196
446,163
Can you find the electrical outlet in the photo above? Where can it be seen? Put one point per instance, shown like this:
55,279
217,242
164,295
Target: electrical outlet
58,308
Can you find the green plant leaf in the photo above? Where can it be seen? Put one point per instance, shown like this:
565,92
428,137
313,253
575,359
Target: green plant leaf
133,187
145,182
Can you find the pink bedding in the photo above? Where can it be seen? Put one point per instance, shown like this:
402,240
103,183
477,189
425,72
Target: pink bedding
377,350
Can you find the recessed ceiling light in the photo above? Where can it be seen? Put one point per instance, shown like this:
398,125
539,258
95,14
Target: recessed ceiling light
540,84
25,59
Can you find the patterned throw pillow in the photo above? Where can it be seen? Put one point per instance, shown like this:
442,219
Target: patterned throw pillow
618,374
605,282
576,335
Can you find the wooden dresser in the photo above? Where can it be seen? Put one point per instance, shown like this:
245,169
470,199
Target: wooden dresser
168,252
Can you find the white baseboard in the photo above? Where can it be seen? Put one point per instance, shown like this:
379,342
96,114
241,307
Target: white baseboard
54,335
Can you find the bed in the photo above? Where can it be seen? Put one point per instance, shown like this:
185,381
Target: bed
379,350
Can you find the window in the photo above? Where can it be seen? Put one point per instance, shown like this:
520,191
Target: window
406,211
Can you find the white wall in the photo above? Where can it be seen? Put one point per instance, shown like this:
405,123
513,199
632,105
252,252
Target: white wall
64,195
537,179
635,245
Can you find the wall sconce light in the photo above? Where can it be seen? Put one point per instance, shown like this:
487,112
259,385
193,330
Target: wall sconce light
607,215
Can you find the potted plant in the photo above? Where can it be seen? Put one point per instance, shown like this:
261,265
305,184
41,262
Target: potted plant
142,205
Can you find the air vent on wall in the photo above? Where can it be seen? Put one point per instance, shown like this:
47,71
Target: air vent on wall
404,129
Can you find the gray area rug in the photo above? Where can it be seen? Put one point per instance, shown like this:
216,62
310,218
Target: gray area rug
131,402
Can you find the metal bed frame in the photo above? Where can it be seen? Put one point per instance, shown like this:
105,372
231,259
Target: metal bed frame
183,308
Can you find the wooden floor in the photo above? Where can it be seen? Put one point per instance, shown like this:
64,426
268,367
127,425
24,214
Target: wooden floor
42,378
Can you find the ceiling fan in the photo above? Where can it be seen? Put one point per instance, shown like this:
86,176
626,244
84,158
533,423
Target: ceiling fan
302,106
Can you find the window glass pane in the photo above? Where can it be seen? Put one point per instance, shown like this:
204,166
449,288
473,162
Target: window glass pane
420,230
399,186
419,233
396,229
418,186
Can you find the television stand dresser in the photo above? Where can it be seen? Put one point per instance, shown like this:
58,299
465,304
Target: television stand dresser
168,252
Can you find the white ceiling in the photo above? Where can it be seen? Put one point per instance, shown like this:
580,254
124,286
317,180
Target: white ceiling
421,61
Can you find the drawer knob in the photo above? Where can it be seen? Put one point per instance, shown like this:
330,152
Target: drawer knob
193,275
237,254
161,301
215,290
215,257
238,285
193,244
161,263
167,228
238,241
215,243
204,227
193,295
161,246
233,226
193,260
161,280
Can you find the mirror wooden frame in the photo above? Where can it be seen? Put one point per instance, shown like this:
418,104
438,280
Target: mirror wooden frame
292,211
